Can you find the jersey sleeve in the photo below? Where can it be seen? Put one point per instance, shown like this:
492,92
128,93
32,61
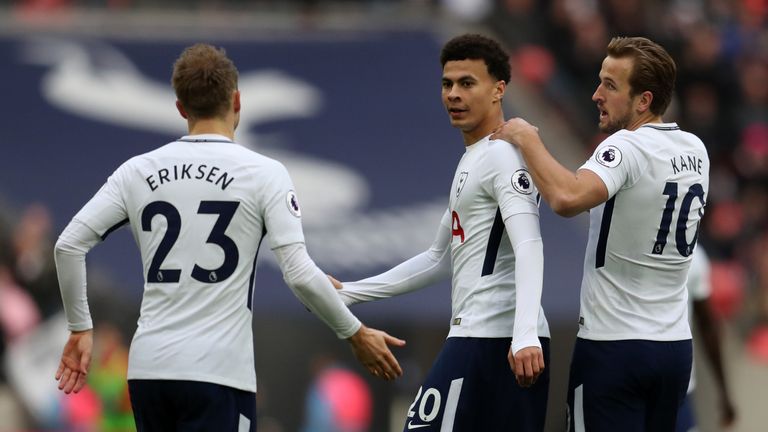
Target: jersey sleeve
69,253
618,162
282,213
312,287
424,269
525,236
507,179
102,214
106,210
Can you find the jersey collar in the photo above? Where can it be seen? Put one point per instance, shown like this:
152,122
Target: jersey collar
662,126
214,138
471,147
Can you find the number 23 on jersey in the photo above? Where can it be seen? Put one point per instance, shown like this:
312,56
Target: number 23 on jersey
225,211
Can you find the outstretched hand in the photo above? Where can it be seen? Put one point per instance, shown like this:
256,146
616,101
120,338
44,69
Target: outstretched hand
527,365
75,361
370,346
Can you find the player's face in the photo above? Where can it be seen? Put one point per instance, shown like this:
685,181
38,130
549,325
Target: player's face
613,95
471,96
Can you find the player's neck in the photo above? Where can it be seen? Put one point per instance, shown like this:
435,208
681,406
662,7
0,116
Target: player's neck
644,119
212,126
485,128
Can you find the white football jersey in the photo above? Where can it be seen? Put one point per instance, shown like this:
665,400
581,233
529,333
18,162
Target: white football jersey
198,209
641,239
490,185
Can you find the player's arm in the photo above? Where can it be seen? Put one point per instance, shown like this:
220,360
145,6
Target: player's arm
315,291
566,192
69,253
282,220
709,330
312,288
102,214
699,291
506,178
423,270
525,356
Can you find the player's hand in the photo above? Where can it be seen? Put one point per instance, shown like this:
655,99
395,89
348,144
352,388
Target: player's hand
514,131
527,365
370,346
727,413
75,361
336,284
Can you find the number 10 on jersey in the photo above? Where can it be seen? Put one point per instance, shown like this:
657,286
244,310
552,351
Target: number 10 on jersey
685,248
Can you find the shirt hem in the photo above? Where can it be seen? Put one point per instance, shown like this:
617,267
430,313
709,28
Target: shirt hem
214,379
491,334
628,336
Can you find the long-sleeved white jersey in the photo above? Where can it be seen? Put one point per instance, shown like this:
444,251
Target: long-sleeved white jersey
198,209
491,230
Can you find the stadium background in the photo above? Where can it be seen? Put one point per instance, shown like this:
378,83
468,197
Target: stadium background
346,94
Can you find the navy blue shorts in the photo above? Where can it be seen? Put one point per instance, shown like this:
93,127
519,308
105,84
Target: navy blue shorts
170,405
627,385
471,388
686,421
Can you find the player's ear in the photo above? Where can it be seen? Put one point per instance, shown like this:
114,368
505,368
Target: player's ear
498,92
181,110
236,101
644,101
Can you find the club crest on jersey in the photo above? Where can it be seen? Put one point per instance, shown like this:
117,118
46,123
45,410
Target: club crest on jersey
521,181
293,203
609,156
462,181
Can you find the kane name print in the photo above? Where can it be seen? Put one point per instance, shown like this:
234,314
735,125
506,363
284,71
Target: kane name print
211,174
686,163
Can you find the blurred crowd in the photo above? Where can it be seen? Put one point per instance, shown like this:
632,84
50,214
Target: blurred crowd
31,324
721,49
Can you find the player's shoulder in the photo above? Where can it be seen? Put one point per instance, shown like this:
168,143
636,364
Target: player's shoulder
159,152
622,143
138,161
266,162
694,141
260,166
248,157
252,156
669,137
149,158
497,149
651,132
622,138
501,146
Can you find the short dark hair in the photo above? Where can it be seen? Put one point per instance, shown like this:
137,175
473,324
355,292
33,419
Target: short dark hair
204,79
654,69
478,47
